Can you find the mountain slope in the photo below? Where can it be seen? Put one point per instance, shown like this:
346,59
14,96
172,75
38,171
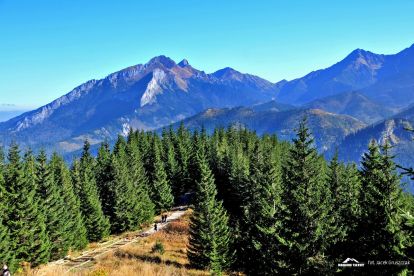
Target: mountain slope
376,75
327,128
392,129
272,106
353,104
145,96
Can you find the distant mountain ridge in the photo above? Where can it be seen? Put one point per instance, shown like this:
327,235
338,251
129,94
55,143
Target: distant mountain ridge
372,74
357,95
145,96
328,128
353,104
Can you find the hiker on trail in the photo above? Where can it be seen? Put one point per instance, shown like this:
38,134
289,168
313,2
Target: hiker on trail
5,271
155,227
165,218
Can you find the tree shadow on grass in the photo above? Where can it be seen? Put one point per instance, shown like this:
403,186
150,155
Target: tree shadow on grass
149,259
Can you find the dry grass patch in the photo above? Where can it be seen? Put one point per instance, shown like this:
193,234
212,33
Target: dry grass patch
139,258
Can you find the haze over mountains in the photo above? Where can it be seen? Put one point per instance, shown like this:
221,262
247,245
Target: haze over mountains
8,111
361,97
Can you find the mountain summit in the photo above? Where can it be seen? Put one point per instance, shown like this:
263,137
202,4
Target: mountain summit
387,78
145,96
367,86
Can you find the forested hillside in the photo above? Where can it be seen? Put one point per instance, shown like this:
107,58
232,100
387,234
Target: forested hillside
261,206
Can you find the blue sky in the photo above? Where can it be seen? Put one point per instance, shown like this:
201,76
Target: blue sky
49,47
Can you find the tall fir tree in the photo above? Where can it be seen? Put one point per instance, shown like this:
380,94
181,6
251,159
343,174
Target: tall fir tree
123,204
263,212
104,177
160,188
145,212
96,223
26,222
6,254
345,188
307,200
74,231
171,164
182,145
379,230
53,207
209,231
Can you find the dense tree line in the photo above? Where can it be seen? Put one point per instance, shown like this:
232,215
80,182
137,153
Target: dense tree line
289,211
261,206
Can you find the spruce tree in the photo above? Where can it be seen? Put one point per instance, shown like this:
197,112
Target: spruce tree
171,164
145,212
104,177
221,166
74,231
307,200
161,193
263,212
182,145
238,182
30,242
6,254
96,223
209,232
124,203
53,208
345,189
380,224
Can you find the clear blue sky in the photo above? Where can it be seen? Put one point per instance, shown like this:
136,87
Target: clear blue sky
49,47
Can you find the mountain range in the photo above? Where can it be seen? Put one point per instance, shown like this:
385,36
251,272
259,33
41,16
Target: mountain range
145,96
363,96
328,128
389,79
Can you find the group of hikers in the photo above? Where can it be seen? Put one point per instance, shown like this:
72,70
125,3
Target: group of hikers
5,271
163,220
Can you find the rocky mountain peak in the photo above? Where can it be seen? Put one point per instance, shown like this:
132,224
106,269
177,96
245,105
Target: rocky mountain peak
161,60
360,57
227,73
183,63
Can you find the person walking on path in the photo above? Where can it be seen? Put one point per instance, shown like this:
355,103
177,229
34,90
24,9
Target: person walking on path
155,227
5,271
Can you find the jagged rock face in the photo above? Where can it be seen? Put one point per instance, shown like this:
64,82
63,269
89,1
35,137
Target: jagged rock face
154,87
393,130
145,96
388,78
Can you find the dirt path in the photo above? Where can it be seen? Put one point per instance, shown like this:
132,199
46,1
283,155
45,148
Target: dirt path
106,247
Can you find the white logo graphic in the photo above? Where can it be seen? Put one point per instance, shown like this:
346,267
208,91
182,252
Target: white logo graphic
351,262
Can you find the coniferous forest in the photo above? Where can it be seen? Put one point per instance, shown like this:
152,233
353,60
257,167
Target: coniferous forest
261,206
